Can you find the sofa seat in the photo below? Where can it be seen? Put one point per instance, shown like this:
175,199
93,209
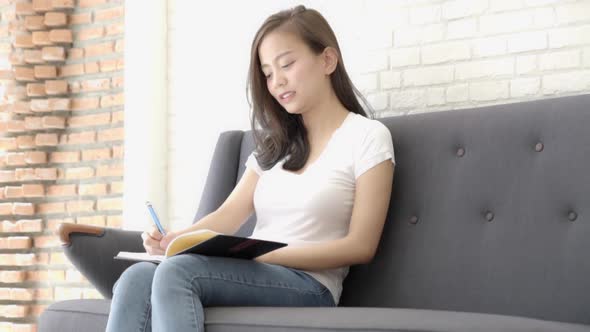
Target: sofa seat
92,314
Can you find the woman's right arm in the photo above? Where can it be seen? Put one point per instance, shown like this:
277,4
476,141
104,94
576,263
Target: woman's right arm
227,219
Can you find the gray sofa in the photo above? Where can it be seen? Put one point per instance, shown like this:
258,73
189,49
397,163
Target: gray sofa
488,230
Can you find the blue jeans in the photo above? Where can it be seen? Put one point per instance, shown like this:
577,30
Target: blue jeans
171,296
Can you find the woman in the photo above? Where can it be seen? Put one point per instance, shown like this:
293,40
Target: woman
319,179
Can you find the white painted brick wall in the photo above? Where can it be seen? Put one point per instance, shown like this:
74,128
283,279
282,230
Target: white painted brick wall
405,56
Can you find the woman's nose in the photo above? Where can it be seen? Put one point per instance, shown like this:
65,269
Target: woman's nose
278,81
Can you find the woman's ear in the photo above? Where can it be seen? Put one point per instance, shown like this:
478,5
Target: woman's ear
330,57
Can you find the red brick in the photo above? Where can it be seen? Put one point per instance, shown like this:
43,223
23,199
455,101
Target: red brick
75,53
39,105
7,75
91,67
12,276
81,104
6,208
14,311
112,100
33,123
93,220
53,53
117,117
35,90
52,207
118,151
18,242
47,241
46,139
7,176
13,92
115,29
115,221
45,72
72,70
15,58
109,14
13,191
24,8
90,3
46,173
86,137
61,190
109,170
50,275
42,5
90,33
15,126
63,4
117,81
34,22
7,143
120,46
25,74
53,224
79,173
97,189
80,206
108,65
109,204
41,38
111,134
25,174
100,84
23,107
59,104
25,141
25,209
99,49
33,56
96,154
65,157
60,36
89,120
81,18
54,19
15,159
33,190
56,87
53,122
35,157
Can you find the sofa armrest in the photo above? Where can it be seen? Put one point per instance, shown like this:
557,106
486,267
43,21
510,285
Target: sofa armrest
91,250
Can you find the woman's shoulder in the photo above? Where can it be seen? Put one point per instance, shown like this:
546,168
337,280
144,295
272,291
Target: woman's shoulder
362,126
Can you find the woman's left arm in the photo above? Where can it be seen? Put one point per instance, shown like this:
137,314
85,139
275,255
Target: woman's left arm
371,201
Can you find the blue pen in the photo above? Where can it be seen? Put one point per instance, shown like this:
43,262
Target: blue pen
155,217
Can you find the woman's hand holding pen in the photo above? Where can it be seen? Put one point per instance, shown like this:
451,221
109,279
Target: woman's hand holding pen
154,242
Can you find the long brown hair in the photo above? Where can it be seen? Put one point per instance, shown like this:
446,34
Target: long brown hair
283,134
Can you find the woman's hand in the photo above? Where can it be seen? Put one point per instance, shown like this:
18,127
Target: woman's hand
155,243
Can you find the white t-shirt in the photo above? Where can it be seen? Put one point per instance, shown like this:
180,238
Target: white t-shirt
316,206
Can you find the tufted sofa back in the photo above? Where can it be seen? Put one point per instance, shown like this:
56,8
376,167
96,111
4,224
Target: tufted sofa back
489,211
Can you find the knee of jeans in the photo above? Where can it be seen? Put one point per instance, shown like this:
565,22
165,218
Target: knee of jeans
176,272
137,276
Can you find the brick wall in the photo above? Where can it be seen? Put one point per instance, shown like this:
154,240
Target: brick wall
61,144
442,55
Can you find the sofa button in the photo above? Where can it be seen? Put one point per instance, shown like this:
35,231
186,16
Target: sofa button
572,216
489,216
539,147
413,220
460,152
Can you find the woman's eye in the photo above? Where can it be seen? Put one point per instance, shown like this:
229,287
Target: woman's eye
287,65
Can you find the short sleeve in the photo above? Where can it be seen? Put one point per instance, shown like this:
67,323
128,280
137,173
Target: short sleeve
252,163
376,147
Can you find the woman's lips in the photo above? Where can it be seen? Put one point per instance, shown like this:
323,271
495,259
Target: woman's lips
287,96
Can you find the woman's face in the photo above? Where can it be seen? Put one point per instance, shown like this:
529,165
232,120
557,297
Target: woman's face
295,76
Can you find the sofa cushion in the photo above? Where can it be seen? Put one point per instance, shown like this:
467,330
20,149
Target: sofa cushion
92,315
